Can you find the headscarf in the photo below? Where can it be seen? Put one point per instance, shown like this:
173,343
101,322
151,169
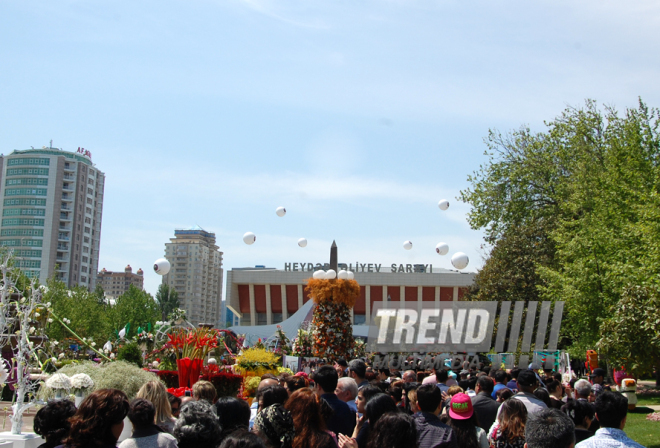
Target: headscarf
276,423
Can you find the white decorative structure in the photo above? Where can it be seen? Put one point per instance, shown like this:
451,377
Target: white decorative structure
330,274
249,238
280,211
318,275
407,245
442,248
302,242
60,384
342,275
81,383
459,260
443,204
351,276
162,266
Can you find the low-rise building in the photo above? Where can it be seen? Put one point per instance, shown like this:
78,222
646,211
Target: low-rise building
115,284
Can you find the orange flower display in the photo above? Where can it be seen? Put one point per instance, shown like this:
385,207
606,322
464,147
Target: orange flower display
334,299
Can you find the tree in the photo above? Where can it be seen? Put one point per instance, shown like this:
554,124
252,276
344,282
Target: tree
136,307
168,300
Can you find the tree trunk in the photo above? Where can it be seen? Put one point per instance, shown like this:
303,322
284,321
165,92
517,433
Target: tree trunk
657,372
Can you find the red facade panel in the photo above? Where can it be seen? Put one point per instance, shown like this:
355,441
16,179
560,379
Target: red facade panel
394,292
376,295
446,294
428,294
291,298
244,298
306,295
276,298
260,298
360,303
461,293
411,293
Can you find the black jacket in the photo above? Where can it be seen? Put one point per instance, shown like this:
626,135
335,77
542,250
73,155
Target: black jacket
432,433
486,410
342,420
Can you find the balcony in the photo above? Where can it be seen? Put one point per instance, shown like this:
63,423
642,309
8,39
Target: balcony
67,187
65,217
65,228
63,247
67,197
65,209
69,177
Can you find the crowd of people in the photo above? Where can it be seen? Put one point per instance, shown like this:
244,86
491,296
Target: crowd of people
350,405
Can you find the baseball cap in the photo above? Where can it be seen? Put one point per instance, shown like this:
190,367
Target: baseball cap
597,372
526,378
460,407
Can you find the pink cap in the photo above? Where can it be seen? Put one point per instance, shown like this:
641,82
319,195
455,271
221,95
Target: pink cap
460,407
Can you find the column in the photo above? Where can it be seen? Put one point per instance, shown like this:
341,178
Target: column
269,307
253,314
402,296
285,311
367,305
437,293
419,299
455,295
300,296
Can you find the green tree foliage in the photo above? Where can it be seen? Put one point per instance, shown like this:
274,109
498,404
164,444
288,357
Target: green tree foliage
130,353
88,317
136,307
168,300
592,182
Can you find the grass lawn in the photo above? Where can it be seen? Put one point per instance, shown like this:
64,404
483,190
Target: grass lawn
645,401
641,430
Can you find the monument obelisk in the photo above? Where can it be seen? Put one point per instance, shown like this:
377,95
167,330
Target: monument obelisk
333,256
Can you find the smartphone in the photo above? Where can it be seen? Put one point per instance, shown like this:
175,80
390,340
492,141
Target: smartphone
187,394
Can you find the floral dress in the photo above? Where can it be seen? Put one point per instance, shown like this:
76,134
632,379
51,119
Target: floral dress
499,440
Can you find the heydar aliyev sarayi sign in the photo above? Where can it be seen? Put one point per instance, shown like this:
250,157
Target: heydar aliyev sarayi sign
361,267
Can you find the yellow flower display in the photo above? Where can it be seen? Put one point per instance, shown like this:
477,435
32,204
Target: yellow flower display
256,362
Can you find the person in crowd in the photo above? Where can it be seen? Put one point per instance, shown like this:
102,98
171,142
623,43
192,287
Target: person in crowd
204,390
509,430
293,383
453,390
484,406
500,382
431,432
376,406
394,430
242,438
555,389
146,434
409,376
311,432
583,390
175,404
99,420
346,391
549,428
441,377
431,379
464,379
343,365
275,426
597,376
503,395
464,423
611,412
156,393
527,384
412,401
543,395
267,379
52,422
357,370
342,420
270,395
513,383
582,413
197,426
232,414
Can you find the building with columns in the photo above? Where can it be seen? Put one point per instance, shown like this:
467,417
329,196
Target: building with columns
264,296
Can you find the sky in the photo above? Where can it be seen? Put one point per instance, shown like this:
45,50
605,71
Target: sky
357,116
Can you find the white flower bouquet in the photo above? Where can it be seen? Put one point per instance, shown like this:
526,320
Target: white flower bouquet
81,381
60,383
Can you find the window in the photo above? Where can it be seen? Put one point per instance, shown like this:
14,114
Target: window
89,201
86,240
90,191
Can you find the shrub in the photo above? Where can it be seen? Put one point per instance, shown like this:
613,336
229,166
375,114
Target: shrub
130,353
169,377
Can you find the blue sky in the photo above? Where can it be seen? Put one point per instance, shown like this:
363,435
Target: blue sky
358,117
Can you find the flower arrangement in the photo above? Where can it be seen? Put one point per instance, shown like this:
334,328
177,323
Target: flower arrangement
359,348
302,345
256,361
282,370
190,348
653,417
179,391
59,381
177,316
283,346
169,377
81,382
226,384
250,386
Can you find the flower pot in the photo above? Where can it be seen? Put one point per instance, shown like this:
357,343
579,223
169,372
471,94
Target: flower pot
79,398
184,366
195,369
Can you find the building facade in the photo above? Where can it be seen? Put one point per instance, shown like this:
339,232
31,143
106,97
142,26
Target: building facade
52,206
196,274
264,296
115,284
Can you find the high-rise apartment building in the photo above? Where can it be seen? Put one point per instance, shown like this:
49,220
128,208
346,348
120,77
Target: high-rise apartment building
52,204
115,284
196,274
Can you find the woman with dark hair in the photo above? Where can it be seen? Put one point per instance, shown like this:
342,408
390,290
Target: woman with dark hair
274,425
52,422
146,434
510,431
293,383
99,420
394,430
197,426
242,438
232,414
543,395
582,413
308,422
271,395
175,404
464,423
503,394
376,405
555,389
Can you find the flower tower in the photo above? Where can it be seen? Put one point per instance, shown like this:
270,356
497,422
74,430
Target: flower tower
334,299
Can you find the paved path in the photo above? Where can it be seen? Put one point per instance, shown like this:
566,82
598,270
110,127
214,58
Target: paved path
5,417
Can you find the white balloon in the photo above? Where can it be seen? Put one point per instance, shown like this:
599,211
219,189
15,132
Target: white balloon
342,275
444,204
351,276
442,248
162,266
302,242
330,274
460,260
407,245
281,211
108,346
249,238
319,275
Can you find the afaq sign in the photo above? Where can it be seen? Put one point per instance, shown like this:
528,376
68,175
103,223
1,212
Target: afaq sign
467,327
84,152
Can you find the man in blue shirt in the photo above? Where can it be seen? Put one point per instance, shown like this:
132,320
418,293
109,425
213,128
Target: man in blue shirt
500,383
442,376
611,412
347,391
